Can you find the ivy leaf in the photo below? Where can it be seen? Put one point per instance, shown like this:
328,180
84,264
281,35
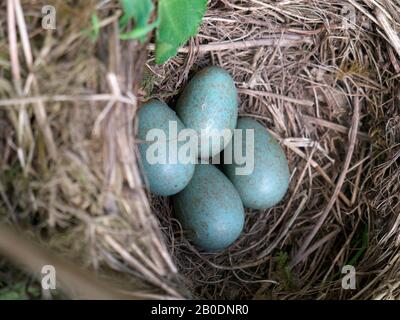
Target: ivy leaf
179,20
140,11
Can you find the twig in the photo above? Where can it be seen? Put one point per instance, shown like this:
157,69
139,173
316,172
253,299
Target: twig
335,126
287,40
318,244
313,163
256,93
126,63
64,98
15,12
342,250
359,6
137,265
352,142
12,40
7,202
358,180
392,34
23,33
77,283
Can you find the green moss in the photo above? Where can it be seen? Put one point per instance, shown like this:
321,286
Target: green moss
284,271
20,291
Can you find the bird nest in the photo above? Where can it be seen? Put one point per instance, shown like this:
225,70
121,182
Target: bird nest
321,76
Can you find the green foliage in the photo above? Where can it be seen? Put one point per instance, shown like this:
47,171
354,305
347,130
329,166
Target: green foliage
283,269
94,31
179,20
139,33
176,22
20,291
95,27
140,11
148,81
361,243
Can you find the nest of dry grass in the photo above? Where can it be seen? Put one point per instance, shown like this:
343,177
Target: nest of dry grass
323,81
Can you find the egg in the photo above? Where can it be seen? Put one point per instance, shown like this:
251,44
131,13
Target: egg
209,105
265,185
210,209
165,176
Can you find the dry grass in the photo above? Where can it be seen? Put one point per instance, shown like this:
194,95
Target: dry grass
69,172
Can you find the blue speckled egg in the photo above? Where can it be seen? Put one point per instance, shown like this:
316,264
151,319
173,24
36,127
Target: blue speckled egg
210,209
210,102
167,177
267,184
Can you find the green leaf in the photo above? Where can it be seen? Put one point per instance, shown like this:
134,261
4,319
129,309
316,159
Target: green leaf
94,31
11,295
17,292
140,11
364,246
95,27
138,33
179,20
